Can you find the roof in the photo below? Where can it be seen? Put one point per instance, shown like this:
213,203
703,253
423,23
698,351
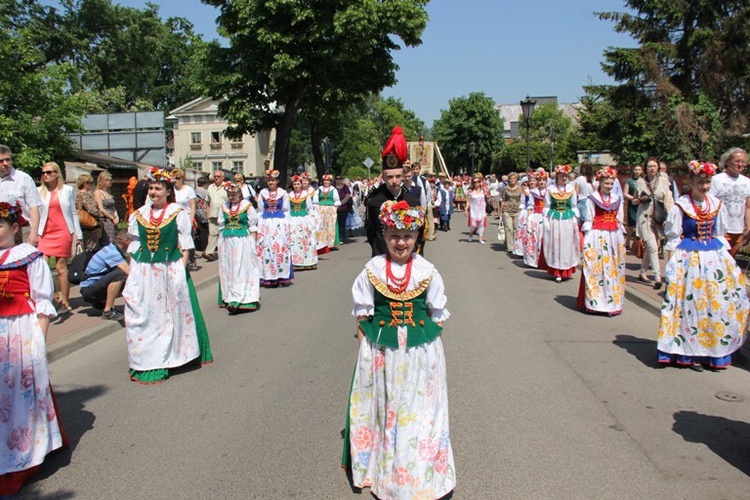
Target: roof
109,161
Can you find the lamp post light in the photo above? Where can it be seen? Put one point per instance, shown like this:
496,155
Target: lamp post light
527,107
472,153
551,146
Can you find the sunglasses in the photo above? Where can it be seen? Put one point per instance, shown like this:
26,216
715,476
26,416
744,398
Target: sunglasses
48,172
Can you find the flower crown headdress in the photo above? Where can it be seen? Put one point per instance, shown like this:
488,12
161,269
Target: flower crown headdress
272,174
12,212
399,215
563,169
231,187
161,175
304,175
541,175
705,169
607,172
296,178
327,177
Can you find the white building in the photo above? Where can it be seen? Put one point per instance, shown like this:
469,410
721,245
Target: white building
512,114
199,141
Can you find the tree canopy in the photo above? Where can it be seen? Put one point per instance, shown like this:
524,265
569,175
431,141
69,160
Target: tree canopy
288,55
683,92
467,120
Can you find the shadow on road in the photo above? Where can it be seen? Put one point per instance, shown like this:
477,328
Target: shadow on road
567,302
76,421
727,438
644,350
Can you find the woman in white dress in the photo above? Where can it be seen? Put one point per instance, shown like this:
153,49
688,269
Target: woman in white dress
30,427
274,235
602,287
164,325
185,197
535,220
302,227
397,437
239,274
476,209
526,207
321,243
561,241
327,201
705,311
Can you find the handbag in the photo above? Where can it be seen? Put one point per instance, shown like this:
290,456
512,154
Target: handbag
501,233
638,248
660,211
488,208
86,220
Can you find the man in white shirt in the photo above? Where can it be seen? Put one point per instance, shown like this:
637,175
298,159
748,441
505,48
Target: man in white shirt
19,186
733,189
217,196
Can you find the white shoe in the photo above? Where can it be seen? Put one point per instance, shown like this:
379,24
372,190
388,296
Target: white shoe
482,242
558,279
471,238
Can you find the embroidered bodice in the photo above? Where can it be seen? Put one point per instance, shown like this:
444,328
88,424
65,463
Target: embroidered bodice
326,198
235,224
298,205
159,243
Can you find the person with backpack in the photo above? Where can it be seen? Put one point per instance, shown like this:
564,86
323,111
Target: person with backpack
104,276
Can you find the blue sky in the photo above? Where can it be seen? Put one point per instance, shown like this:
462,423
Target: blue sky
504,48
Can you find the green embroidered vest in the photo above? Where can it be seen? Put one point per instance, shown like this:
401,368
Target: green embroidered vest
158,243
392,310
326,199
235,225
561,207
298,206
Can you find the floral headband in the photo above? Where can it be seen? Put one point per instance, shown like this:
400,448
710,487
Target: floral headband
12,212
705,169
541,175
563,169
296,178
607,172
327,177
399,215
304,175
231,187
272,174
161,175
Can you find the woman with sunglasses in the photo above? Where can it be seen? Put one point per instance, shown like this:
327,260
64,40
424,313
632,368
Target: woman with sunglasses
58,224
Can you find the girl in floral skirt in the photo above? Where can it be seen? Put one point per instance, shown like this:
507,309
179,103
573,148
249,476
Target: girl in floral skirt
705,309
397,439
273,234
602,287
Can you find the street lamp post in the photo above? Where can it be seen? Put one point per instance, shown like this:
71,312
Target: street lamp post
472,153
551,146
527,107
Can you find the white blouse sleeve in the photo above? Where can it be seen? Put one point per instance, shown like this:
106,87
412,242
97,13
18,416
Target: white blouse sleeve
261,204
252,220
363,294
184,227
436,298
286,205
673,228
220,220
574,201
315,198
547,203
336,199
74,213
135,242
721,226
621,214
588,216
42,287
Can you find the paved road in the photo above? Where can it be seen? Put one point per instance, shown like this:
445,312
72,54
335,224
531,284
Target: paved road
545,402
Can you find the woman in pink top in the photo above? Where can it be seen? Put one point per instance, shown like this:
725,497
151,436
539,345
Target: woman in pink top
58,224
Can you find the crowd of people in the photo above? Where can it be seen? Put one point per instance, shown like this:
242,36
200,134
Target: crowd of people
261,235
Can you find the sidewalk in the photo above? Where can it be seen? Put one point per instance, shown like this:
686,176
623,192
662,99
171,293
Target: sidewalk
70,332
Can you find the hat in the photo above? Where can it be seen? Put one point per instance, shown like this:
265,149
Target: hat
399,215
704,169
394,152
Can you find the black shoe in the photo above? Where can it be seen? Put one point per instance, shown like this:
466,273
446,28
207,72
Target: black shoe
696,367
113,315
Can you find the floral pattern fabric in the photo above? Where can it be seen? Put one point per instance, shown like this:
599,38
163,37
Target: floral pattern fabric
519,243
533,240
239,274
604,271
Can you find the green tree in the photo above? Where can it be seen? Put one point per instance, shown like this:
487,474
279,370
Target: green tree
283,54
469,119
682,90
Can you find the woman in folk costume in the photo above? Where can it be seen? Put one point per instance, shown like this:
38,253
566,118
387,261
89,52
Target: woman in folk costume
239,273
164,325
326,201
30,421
535,221
561,241
397,439
321,240
274,234
602,287
475,208
705,310
302,227
526,206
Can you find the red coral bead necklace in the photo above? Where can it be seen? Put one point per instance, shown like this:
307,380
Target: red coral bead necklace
399,284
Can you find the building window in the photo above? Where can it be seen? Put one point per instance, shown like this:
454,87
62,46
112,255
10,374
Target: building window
217,165
195,138
238,166
215,137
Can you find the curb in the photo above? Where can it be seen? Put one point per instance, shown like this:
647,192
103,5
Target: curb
643,301
79,340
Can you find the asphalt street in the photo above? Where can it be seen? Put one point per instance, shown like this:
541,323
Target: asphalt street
545,402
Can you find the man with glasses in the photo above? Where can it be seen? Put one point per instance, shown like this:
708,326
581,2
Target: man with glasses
217,196
19,186
733,189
